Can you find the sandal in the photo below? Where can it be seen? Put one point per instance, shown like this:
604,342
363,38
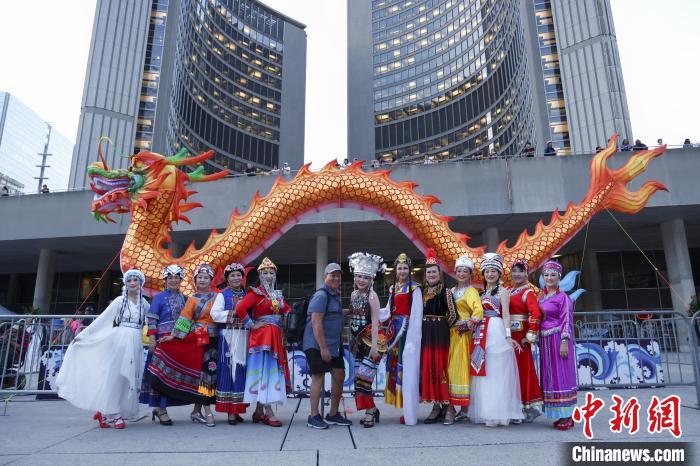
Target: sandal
119,423
449,417
102,420
209,422
434,415
197,417
461,416
370,418
155,414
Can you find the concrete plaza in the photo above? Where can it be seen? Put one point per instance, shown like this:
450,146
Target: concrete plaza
53,432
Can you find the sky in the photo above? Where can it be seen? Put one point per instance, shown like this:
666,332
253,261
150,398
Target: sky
43,58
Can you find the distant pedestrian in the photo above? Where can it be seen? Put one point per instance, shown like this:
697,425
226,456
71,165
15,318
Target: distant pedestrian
44,189
250,170
275,170
686,145
285,169
598,149
5,191
639,145
626,146
528,150
550,150
659,142
324,349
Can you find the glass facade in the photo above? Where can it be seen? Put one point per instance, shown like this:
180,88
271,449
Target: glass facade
450,78
151,75
227,88
23,136
553,90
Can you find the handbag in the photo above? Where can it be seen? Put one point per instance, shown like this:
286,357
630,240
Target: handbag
202,336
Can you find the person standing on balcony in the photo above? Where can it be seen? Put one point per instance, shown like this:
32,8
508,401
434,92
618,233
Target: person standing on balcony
103,366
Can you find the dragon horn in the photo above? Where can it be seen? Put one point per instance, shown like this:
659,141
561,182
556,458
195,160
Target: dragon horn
99,150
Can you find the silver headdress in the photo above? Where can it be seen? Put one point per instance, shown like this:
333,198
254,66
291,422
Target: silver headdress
173,270
364,263
491,260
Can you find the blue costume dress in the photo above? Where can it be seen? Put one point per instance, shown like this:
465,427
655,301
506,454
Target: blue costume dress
233,343
161,317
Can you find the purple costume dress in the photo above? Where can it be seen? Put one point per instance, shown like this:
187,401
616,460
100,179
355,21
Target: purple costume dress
557,374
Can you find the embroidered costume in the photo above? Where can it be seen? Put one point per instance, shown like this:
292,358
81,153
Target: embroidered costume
267,371
557,374
185,368
525,317
164,311
405,315
233,345
469,309
495,385
363,263
438,315
103,367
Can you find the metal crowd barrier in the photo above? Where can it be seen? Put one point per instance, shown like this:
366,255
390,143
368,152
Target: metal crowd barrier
614,349
31,350
636,349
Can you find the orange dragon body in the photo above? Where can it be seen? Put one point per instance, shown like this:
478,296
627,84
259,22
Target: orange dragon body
154,190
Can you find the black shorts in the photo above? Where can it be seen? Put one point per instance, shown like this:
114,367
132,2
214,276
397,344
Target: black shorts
318,366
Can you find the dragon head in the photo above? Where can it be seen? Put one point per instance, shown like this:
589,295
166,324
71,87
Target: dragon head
147,176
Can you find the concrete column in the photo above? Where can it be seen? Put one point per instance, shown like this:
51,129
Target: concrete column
44,280
103,292
490,238
680,273
592,300
321,258
12,290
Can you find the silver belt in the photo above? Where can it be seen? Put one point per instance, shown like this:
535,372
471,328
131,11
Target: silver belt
131,325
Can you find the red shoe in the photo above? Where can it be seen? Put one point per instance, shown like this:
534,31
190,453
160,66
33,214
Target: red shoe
257,417
119,423
265,419
101,419
566,425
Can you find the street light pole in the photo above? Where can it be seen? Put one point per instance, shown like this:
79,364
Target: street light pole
43,165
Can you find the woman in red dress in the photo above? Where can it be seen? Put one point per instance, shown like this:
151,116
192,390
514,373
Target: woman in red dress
267,372
525,317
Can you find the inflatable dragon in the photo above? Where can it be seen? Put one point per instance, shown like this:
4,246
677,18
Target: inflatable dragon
154,190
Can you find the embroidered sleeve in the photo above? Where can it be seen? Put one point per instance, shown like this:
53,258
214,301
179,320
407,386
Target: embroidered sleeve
184,322
533,308
245,304
474,301
567,317
153,317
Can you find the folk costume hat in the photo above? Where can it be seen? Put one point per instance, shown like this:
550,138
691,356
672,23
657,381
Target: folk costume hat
364,263
464,261
235,266
431,258
267,264
552,265
491,260
206,268
520,263
173,270
403,259
134,273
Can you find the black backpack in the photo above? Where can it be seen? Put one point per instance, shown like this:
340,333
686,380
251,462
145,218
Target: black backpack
296,319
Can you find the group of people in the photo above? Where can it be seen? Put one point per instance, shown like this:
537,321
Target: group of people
466,352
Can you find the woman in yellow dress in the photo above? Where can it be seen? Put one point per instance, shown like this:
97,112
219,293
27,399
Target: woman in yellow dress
469,313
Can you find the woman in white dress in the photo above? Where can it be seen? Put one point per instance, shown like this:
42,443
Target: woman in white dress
495,383
103,366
